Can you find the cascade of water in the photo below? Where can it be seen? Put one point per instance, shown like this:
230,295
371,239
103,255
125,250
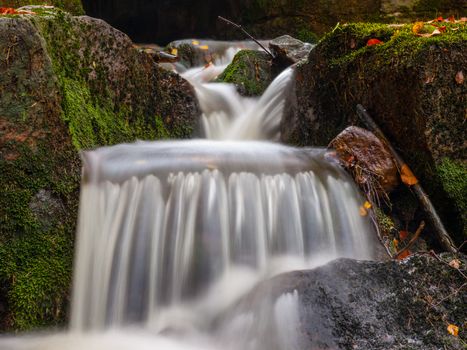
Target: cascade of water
153,238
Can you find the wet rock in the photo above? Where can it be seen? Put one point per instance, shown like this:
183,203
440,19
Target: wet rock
288,50
408,87
68,83
367,159
250,71
349,304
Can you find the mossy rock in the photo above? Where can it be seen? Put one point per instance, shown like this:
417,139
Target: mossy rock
68,83
250,71
74,7
407,84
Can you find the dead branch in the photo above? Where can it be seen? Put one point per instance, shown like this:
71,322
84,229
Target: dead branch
238,26
413,240
441,233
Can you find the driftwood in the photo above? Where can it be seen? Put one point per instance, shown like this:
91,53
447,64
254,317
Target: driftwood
238,26
433,218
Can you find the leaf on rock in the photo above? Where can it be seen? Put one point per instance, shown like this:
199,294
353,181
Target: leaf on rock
453,330
174,52
404,254
455,263
195,42
407,176
459,77
367,205
418,27
12,11
374,41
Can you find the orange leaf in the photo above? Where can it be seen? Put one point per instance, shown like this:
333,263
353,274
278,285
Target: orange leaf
453,330
403,235
439,19
367,205
455,263
373,41
417,27
407,176
452,19
12,11
363,211
404,254
395,242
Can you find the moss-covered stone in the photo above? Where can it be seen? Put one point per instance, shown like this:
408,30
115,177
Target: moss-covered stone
250,71
408,86
74,7
67,83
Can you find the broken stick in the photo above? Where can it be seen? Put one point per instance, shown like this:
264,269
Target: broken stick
441,233
238,26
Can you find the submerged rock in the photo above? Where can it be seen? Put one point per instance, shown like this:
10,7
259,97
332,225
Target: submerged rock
68,83
349,304
250,71
408,85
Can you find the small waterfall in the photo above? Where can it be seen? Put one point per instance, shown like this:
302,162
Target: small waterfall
174,236
155,242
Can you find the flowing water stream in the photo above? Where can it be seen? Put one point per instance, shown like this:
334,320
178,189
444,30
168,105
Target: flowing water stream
174,234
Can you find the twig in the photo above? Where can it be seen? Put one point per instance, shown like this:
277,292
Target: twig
248,34
432,216
450,295
413,240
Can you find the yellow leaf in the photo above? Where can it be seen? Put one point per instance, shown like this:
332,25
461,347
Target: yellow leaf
395,242
407,176
417,27
453,330
195,42
174,52
363,211
455,263
204,47
367,205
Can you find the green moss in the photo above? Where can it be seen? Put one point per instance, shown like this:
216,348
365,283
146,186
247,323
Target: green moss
250,71
453,176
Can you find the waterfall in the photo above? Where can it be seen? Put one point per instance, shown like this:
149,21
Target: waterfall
172,235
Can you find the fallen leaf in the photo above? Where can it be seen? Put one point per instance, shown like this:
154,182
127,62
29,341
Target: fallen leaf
204,47
429,35
417,27
442,29
174,52
439,19
453,330
459,77
395,243
363,211
12,11
455,263
404,254
407,176
403,235
451,19
367,205
373,41
195,42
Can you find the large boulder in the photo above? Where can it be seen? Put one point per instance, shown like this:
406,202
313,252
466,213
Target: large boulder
412,88
67,83
250,71
349,304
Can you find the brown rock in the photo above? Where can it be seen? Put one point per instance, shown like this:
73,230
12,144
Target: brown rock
367,159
